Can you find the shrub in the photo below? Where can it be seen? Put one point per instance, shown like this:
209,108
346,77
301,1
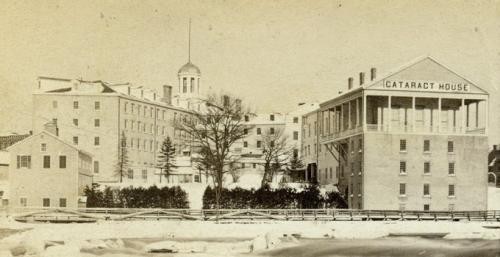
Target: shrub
267,198
129,197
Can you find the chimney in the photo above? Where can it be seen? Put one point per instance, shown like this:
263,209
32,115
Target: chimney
373,73
51,127
167,94
361,78
225,100
350,82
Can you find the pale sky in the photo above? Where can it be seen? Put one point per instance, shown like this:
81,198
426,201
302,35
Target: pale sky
274,54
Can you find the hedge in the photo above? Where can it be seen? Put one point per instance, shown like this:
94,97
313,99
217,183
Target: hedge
266,198
139,197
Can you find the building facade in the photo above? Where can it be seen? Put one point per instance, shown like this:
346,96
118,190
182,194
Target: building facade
95,115
414,139
45,171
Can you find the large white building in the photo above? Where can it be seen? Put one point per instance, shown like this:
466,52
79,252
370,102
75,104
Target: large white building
94,115
414,139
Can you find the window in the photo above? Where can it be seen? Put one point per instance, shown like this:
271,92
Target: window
245,131
46,202
271,131
451,190
23,201
427,145
62,162
54,104
271,117
451,168
43,147
75,122
254,165
427,190
62,202
46,161
427,167
427,207
75,104
259,143
402,167
96,141
184,85
402,189
243,165
259,131
96,167
97,105
125,107
450,147
295,135
125,124
271,144
144,175
130,174
75,140
295,119
247,118
197,178
402,145
97,123
245,144
24,161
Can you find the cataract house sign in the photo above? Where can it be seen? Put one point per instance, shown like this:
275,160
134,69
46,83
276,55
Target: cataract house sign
422,85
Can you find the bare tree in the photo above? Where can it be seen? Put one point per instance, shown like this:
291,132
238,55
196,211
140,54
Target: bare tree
122,164
213,132
275,153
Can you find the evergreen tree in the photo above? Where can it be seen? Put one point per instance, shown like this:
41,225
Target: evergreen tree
166,159
122,164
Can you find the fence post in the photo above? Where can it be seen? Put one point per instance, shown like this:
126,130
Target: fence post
350,213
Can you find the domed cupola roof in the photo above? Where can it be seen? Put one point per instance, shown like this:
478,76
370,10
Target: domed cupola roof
189,68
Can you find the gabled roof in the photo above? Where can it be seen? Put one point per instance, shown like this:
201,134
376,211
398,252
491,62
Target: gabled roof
412,64
50,135
393,72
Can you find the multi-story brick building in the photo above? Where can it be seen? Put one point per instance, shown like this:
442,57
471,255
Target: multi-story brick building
94,115
258,126
413,139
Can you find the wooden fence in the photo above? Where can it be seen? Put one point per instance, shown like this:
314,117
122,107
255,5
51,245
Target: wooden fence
94,214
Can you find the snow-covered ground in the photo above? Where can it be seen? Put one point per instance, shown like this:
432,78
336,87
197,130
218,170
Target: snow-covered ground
77,236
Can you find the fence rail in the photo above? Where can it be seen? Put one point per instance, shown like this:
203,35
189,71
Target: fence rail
89,214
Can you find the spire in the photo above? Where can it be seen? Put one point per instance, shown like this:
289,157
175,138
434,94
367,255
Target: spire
189,42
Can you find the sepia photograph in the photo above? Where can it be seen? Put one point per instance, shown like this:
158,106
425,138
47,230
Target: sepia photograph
278,128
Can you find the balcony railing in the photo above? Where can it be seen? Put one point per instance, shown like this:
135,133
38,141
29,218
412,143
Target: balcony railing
424,129
384,128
